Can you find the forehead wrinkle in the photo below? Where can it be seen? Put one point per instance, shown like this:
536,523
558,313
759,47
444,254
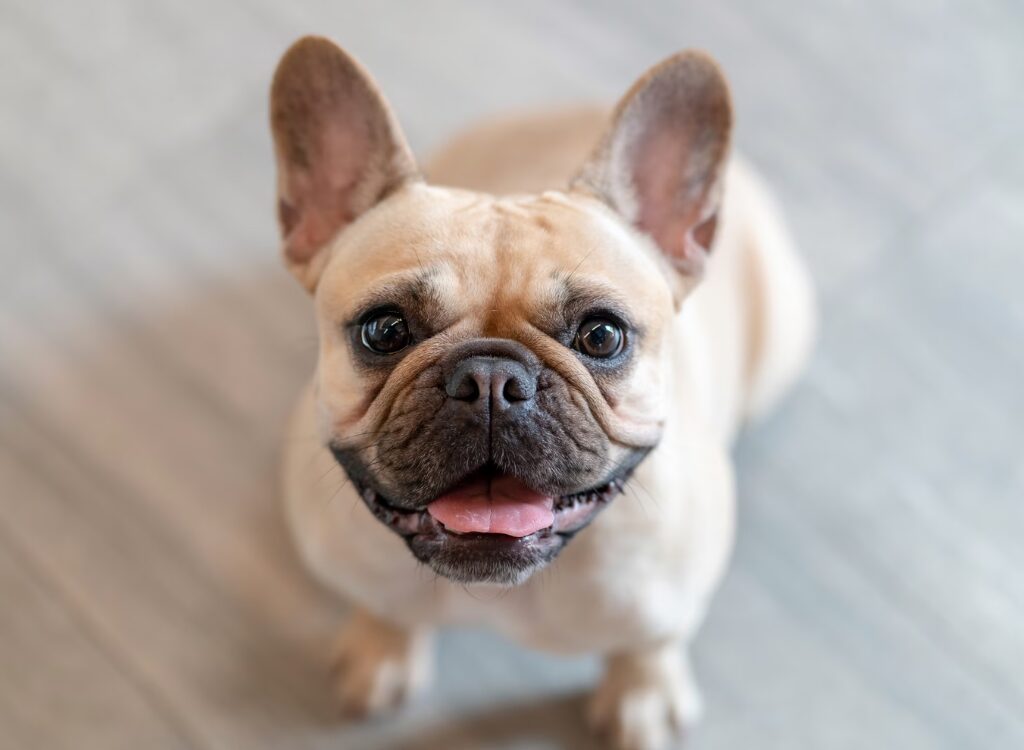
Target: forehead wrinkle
510,275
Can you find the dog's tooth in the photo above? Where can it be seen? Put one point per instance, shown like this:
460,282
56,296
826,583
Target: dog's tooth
427,523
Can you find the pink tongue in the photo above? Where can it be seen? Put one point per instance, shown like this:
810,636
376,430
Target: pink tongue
494,506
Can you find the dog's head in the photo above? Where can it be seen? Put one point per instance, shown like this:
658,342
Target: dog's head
491,369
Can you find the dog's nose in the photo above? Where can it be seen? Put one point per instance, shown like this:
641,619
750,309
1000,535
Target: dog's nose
501,381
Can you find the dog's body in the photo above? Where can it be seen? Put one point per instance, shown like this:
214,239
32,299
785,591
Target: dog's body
634,584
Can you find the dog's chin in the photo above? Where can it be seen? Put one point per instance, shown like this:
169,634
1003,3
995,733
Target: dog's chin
486,557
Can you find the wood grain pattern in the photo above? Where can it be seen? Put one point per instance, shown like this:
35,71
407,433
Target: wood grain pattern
150,346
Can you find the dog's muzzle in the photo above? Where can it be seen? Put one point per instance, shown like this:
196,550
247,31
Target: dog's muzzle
490,467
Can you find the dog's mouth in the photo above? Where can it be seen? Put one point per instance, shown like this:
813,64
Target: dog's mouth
492,526
490,503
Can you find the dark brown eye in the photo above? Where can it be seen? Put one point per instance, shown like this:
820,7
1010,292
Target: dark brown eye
600,338
386,333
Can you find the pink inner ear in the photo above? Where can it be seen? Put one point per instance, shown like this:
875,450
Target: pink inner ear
287,216
325,196
312,232
704,233
660,163
339,150
668,209
310,224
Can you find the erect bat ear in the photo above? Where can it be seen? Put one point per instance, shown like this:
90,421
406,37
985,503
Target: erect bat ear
339,150
660,162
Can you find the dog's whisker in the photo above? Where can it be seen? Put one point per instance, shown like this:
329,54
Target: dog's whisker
337,490
636,480
330,469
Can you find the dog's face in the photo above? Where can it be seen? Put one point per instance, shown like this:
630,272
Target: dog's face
492,369
476,351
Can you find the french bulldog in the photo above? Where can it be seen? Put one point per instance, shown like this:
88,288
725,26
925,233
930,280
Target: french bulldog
531,369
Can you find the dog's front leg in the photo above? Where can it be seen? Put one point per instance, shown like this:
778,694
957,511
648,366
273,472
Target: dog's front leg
378,665
647,697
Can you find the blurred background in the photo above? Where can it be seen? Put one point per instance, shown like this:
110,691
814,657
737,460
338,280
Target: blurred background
150,345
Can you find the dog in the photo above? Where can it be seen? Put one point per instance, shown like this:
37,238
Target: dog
531,369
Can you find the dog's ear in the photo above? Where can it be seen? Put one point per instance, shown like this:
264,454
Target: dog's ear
339,150
660,162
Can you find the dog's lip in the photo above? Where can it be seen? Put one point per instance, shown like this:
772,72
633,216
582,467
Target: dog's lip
572,512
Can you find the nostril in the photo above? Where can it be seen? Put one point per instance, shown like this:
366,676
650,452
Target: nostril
517,389
464,386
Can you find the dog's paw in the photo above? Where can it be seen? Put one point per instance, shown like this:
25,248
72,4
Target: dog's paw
377,666
645,701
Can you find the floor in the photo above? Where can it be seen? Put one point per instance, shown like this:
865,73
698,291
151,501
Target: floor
150,345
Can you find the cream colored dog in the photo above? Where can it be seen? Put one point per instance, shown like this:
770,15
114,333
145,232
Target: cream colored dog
529,390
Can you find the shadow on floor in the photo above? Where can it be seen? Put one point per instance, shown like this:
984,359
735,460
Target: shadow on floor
546,721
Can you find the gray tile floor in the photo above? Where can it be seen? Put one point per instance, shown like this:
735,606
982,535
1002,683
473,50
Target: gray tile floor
149,346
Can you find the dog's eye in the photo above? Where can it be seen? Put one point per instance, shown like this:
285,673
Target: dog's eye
386,333
599,337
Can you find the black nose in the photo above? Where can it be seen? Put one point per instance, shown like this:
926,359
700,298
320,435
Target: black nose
499,381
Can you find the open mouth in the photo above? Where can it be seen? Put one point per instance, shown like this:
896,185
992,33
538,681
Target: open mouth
490,503
491,526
